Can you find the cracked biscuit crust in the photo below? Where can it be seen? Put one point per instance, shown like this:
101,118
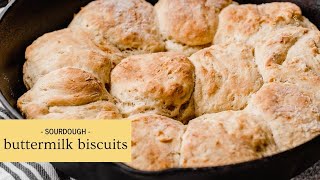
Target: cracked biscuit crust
189,22
66,48
291,54
241,23
292,113
156,142
161,83
226,76
188,25
128,25
66,93
225,138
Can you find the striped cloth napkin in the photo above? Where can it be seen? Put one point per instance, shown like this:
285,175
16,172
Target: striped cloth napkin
26,171
3,113
29,170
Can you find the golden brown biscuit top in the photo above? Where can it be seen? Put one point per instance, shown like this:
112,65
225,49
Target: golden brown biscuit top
66,48
292,113
156,142
95,110
62,87
280,12
286,101
128,25
163,74
226,76
242,22
190,22
64,37
290,54
224,138
237,23
159,82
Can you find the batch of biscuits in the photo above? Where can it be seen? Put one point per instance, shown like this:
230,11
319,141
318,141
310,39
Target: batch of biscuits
205,82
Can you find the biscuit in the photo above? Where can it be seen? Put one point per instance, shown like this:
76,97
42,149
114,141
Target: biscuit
188,25
291,54
242,22
189,22
65,48
226,76
95,110
155,143
172,46
128,25
237,23
161,83
292,114
225,138
65,92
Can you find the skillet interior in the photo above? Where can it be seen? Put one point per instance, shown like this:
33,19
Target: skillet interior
26,20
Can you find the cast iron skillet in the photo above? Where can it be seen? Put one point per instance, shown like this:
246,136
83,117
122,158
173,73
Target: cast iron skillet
25,20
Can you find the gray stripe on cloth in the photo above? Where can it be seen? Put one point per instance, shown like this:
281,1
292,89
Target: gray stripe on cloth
13,168
4,175
50,170
13,174
44,174
27,171
3,113
35,171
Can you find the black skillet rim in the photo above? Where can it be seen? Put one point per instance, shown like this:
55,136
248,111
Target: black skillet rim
242,165
13,113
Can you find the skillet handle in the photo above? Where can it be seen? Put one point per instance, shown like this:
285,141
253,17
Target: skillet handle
3,3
